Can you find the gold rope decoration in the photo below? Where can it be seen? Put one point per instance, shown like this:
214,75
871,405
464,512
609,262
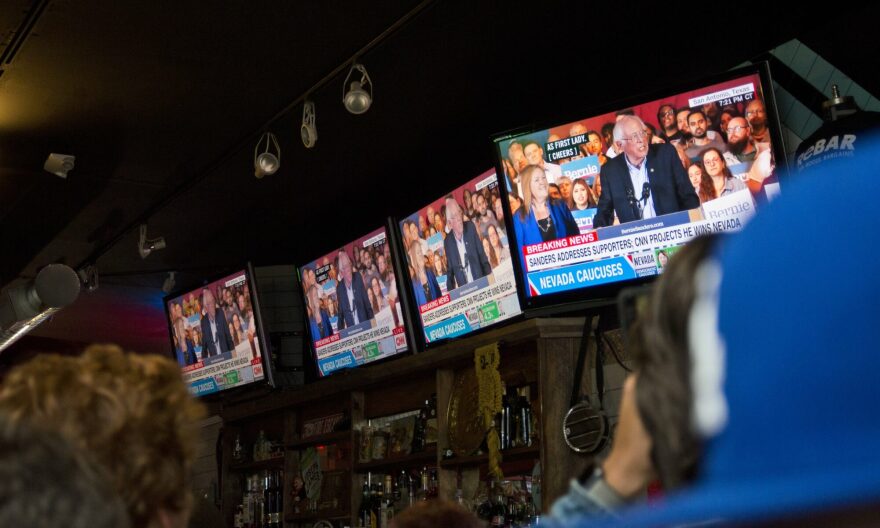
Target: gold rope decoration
486,361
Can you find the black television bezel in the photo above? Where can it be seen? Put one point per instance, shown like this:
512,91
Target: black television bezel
412,347
265,349
410,296
606,294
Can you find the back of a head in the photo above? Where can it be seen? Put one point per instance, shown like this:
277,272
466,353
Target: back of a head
434,514
131,412
45,481
663,391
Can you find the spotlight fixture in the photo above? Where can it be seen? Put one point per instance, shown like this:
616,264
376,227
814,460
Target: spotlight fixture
59,164
308,130
267,162
148,245
26,304
168,285
357,100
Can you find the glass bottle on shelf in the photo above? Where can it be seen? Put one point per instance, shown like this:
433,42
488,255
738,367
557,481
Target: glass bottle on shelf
422,494
237,449
431,420
499,508
504,433
259,446
525,412
483,499
365,511
418,441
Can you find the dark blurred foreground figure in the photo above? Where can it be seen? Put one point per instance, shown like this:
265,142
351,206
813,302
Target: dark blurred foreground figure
45,481
785,362
131,413
654,437
436,514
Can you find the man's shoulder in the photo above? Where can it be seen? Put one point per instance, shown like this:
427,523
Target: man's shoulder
615,163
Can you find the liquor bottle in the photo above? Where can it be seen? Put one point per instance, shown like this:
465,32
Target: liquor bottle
238,521
504,433
365,511
237,449
433,484
422,494
431,420
260,500
375,505
499,509
525,411
459,494
259,447
279,498
484,501
390,498
383,518
418,441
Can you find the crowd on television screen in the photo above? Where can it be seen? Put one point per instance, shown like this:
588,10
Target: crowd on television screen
720,150
456,243
356,285
213,321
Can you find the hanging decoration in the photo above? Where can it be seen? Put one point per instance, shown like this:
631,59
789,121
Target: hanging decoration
486,361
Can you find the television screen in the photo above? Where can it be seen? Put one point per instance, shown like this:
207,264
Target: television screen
215,334
608,198
458,256
353,306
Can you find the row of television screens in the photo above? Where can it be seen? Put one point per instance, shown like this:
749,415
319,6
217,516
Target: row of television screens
571,214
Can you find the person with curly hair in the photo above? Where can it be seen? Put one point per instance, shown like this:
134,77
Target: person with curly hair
131,413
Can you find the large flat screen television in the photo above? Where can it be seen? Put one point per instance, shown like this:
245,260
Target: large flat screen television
602,201
353,310
217,334
457,254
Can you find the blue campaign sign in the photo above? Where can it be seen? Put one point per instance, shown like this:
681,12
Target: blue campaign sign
587,168
202,387
454,327
339,361
646,225
581,275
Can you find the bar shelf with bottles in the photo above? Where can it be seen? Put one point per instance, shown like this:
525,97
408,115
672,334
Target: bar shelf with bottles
386,404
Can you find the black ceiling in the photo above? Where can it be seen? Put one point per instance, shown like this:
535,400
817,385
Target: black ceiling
161,103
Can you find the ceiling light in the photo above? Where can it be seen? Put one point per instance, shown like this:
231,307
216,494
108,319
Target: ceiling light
308,130
358,100
26,304
267,162
148,245
59,164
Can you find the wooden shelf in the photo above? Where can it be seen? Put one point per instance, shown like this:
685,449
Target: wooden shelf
329,438
517,453
271,463
426,457
330,515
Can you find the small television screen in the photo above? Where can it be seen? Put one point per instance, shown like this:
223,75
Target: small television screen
606,199
458,257
216,336
353,305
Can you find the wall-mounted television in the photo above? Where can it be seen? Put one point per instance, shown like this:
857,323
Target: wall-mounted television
603,200
217,334
352,302
457,253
